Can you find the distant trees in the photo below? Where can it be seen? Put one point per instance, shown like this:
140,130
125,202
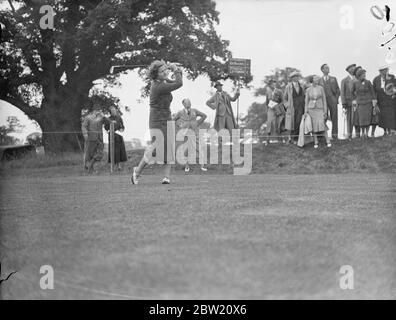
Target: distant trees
136,143
13,126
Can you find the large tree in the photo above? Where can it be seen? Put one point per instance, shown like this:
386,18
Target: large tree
48,73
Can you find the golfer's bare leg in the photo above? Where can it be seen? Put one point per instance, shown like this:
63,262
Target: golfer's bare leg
167,170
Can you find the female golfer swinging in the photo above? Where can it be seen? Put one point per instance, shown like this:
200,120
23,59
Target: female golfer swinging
160,114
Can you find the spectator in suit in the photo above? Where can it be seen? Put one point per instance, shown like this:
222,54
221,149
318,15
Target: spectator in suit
386,103
186,119
332,90
364,101
92,130
221,102
346,98
294,101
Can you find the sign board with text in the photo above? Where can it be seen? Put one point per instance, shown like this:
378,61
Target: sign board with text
239,67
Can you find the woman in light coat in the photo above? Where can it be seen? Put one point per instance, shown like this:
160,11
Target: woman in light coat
316,107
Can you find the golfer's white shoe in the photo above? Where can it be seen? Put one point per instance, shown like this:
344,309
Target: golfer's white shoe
316,146
329,145
203,168
166,180
187,169
134,178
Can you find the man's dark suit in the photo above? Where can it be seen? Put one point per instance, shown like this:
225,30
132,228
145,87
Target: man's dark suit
332,91
346,100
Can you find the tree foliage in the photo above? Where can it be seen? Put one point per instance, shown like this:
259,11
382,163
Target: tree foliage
48,73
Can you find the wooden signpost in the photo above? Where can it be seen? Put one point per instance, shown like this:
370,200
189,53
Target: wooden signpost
239,68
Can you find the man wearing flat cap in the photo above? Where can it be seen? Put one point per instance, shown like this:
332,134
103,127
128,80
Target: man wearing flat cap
386,103
221,102
332,91
346,98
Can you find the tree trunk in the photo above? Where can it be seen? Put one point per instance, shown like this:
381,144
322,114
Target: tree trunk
61,126
59,137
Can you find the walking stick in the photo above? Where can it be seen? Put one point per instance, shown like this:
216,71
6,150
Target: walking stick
111,147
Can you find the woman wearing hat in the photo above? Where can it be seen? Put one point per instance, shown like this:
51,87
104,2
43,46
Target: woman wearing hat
386,103
275,110
294,101
316,107
160,113
364,101
354,112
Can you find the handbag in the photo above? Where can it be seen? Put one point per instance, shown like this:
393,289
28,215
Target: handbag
280,109
376,110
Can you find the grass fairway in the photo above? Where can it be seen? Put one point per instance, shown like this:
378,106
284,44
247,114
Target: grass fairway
204,236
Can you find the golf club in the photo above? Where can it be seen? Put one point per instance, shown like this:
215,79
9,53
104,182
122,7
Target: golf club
136,66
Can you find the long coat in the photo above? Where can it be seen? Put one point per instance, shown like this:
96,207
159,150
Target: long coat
363,94
387,105
214,103
288,103
274,119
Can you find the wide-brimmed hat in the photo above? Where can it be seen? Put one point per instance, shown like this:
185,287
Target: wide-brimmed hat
294,74
383,67
356,70
360,72
353,65
217,83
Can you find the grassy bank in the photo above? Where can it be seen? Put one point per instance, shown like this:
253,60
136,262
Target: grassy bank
356,156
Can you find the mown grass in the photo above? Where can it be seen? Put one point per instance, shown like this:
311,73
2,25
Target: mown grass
356,156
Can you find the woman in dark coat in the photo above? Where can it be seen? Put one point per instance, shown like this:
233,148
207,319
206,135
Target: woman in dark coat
120,154
364,102
386,103
294,101
160,113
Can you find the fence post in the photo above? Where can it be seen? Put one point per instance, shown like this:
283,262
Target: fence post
111,147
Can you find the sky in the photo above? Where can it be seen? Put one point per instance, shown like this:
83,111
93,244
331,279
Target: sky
273,34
